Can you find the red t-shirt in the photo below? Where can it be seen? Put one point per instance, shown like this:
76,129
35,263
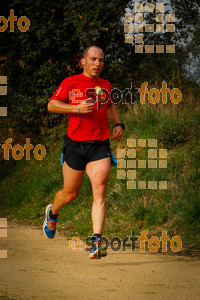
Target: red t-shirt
90,126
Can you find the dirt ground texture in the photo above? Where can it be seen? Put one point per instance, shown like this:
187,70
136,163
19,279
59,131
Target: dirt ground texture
39,268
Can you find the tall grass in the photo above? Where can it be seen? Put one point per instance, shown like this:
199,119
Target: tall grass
28,186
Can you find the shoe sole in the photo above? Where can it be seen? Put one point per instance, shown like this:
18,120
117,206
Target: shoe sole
45,219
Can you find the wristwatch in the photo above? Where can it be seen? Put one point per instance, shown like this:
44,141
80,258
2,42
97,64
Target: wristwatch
121,124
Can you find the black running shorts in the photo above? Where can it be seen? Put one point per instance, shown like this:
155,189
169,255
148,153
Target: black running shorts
78,153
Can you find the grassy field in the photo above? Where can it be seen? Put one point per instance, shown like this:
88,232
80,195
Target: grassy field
28,186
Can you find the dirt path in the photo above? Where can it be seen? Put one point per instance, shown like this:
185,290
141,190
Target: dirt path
38,268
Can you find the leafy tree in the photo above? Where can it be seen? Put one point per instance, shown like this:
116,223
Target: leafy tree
38,60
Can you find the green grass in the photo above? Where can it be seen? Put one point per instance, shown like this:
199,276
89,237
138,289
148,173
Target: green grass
28,186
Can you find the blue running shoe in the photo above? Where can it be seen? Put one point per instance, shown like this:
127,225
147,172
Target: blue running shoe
97,250
49,226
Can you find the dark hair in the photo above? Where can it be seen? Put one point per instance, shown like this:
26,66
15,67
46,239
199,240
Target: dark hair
85,52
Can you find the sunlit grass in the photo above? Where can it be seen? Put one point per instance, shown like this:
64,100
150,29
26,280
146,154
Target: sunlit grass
28,186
